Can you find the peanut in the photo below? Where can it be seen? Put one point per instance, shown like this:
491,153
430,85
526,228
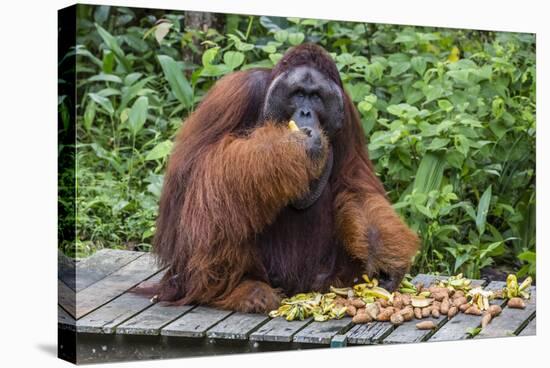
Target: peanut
417,313
452,312
473,310
494,310
426,311
407,313
351,310
384,315
459,301
397,319
361,318
445,306
516,303
486,319
425,325
357,303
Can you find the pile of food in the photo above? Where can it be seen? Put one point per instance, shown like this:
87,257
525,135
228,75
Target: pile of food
367,301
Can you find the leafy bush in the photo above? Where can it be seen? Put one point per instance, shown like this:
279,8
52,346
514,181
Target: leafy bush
449,115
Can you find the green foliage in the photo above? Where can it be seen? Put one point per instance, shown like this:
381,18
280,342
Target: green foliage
449,116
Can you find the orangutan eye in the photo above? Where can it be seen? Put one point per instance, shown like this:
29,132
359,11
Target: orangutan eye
299,94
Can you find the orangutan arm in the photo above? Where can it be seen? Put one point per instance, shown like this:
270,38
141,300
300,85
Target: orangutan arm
372,232
242,183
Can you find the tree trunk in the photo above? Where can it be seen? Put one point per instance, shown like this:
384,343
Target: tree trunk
200,21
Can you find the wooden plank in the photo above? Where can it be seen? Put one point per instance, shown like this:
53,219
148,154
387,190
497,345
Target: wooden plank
195,323
279,330
100,265
322,332
115,284
530,329
369,333
407,332
152,320
511,321
66,269
339,341
66,297
65,320
458,327
106,318
237,326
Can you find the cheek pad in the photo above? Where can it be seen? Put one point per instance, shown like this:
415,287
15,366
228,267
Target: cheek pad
333,101
277,104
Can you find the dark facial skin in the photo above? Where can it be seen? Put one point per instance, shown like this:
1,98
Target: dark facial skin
314,102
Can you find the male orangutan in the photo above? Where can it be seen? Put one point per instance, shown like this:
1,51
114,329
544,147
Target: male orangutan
252,210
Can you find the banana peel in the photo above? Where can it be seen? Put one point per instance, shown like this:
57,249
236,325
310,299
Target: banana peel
512,289
480,298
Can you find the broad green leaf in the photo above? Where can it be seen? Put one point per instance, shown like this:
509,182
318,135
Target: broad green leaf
113,45
429,175
209,55
405,37
459,261
89,114
105,78
454,158
138,114
178,83
233,59
437,144
445,105
270,49
281,35
101,13
160,151
528,256
108,61
132,78
419,64
399,68
215,70
483,210
104,102
275,57
296,38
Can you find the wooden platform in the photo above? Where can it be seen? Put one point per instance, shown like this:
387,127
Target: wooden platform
111,324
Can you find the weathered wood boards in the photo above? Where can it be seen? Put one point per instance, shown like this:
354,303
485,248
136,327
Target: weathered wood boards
115,284
530,329
103,263
237,326
65,320
66,298
104,306
322,332
279,330
511,321
195,323
151,320
369,333
107,317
